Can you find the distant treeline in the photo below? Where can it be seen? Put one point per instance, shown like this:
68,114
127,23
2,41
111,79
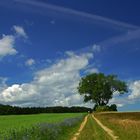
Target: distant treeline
14,110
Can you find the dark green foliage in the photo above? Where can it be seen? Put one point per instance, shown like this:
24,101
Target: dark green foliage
95,106
102,108
112,107
99,88
10,110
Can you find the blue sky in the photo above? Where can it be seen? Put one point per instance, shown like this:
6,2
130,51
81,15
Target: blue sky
46,46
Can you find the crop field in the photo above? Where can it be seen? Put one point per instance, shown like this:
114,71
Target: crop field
33,126
124,125
111,126
65,126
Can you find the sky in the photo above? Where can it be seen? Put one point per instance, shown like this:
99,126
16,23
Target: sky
46,46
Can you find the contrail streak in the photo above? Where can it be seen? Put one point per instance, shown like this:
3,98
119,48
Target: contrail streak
85,15
112,41
133,34
121,38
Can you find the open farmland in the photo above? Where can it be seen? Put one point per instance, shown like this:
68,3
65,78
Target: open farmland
17,126
124,125
111,126
65,126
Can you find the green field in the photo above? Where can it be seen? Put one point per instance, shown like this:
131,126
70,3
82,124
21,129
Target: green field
20,123
63,126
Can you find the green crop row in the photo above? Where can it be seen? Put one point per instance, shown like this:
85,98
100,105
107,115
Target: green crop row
38,127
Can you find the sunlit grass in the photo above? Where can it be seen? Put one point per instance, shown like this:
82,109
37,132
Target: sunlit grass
19,124
92,131
125,125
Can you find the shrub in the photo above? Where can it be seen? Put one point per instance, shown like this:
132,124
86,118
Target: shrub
112,107
102,108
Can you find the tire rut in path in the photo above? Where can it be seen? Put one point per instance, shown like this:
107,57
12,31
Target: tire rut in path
106,129
81,128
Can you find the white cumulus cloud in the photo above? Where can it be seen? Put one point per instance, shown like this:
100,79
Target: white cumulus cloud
7,42
130,98
7,45
51,86
135,88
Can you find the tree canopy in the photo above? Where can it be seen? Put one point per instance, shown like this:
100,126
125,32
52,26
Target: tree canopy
15,110
99,88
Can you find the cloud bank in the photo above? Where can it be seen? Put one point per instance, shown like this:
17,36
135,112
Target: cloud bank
57,84
52,86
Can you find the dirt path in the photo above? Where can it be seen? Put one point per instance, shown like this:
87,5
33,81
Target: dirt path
106,129
81,128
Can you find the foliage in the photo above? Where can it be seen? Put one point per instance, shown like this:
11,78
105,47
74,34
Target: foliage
99,88
112,107
102,108
106,108
13,110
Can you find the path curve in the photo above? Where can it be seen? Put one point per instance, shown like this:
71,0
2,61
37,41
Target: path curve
81,128
106,129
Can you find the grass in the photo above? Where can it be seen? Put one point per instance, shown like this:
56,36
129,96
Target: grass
64,125
19,124
68,132
92,131
125,125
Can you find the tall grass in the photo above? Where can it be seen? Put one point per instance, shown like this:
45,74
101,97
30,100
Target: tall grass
32,127
92,131
125,125
46,131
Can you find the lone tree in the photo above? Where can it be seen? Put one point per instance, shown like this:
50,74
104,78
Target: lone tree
99,88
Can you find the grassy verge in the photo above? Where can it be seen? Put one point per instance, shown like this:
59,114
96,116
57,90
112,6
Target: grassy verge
124,125
92,131
69,132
